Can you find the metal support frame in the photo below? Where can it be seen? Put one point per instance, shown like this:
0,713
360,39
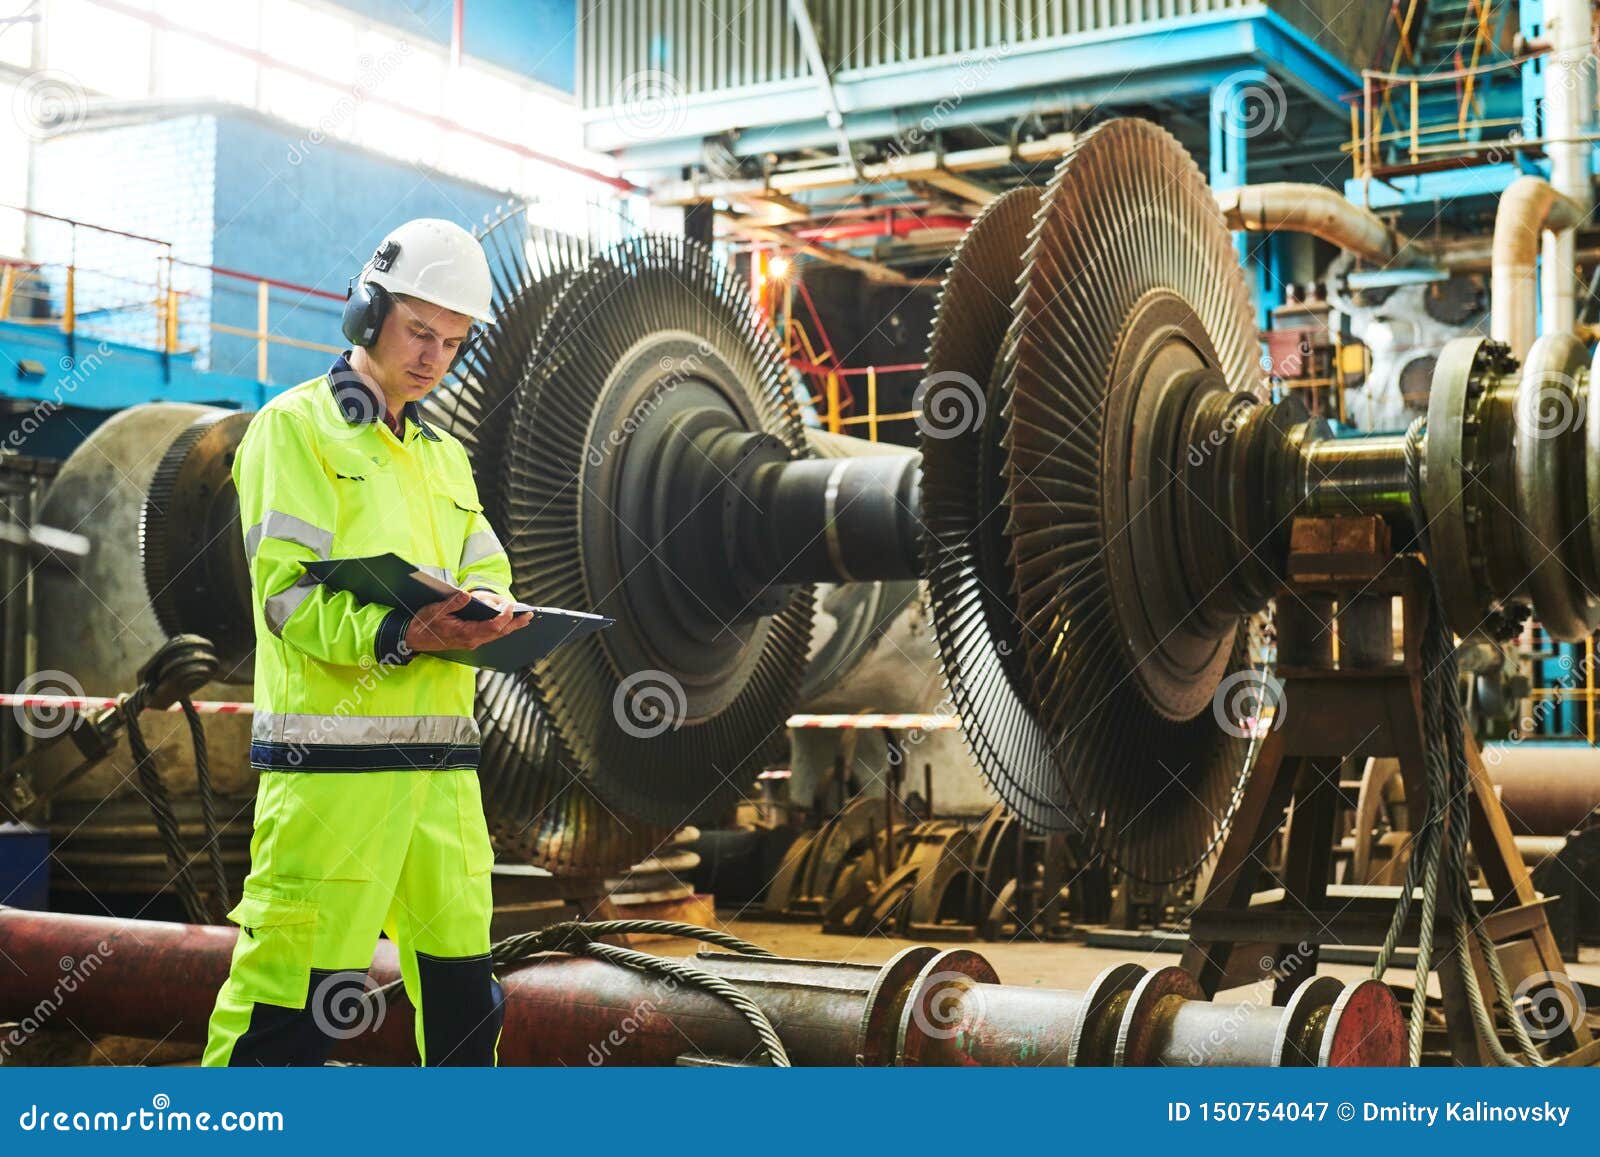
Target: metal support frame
1157,60
812,47
1230,162
1367,705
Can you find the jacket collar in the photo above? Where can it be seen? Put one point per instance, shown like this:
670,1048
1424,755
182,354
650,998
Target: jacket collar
360,405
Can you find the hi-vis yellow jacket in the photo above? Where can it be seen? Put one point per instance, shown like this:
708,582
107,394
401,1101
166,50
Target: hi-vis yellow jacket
321,475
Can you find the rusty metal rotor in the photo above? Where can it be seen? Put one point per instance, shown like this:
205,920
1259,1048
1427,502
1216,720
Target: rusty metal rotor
1083,657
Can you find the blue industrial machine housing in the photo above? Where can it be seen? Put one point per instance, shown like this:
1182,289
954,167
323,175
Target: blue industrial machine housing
24,866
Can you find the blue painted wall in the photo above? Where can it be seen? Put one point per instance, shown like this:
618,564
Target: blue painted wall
231,189
154,178
315,223
536,38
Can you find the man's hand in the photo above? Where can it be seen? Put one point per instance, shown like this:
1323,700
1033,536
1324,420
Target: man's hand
435,627
498,601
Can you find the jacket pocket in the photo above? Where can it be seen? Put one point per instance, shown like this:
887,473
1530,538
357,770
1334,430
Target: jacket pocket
464,495
353,464
456,511
370,505
272,960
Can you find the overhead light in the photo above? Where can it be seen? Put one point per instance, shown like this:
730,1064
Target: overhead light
778,267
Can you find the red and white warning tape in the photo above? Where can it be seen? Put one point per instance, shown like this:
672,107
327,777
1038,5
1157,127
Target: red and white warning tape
90,702
889,722
216,707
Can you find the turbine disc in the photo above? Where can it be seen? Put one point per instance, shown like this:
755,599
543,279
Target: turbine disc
666,725
1131,291
965,560
539,807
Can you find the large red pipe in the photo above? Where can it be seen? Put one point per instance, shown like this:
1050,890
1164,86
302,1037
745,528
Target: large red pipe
923,1007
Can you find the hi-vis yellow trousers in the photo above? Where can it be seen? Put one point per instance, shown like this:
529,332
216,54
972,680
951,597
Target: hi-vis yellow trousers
337,856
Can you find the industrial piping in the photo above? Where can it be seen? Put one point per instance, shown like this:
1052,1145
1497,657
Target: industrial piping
923,1007
1568,111
1313,209
1528,207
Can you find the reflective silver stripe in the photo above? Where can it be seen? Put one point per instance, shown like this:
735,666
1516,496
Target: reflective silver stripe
482,545
277,524
442,573
363,730
830,518
277,609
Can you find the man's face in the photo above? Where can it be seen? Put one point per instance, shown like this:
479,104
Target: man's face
414,348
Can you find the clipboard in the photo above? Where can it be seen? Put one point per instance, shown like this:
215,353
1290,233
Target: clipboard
390,581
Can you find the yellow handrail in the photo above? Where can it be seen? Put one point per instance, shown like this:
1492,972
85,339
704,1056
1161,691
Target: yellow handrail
794,331
1369,124
166,302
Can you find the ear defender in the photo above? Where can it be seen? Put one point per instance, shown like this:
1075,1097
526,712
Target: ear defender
366,304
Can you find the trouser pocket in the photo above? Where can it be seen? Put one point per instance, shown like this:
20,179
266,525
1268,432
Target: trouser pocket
272,960
477,852
323,825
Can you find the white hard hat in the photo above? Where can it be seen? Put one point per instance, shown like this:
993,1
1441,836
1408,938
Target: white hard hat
437,261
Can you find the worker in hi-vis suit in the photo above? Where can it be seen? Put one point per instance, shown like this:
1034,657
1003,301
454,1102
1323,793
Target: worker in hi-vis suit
368,814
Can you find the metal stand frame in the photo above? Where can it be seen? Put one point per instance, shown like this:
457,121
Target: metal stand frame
1368,703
